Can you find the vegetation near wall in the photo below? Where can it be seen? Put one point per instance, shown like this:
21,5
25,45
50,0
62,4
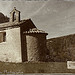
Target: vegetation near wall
3,18
62,48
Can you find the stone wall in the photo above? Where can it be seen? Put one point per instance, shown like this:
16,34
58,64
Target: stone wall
10,51
36,47
62,48
28,68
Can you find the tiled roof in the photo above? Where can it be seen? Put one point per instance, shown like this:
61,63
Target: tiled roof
34,30
8,25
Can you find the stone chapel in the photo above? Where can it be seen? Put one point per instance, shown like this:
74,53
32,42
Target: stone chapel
21,41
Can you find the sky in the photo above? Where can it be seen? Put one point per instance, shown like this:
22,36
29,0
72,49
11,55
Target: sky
56,17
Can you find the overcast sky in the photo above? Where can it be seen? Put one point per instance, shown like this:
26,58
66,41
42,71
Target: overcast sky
56,17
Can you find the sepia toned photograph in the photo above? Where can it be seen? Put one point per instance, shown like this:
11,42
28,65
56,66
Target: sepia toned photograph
37,37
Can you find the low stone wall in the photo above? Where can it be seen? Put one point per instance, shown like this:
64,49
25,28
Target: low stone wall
50,67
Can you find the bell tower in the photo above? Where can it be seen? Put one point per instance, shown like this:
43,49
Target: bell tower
15,15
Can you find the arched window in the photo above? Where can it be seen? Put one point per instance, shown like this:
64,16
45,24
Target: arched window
14,16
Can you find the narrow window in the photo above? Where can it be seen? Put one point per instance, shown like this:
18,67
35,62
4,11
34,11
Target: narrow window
2,37
14,16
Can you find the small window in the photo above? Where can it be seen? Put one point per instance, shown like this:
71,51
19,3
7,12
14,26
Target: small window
2,37
14,16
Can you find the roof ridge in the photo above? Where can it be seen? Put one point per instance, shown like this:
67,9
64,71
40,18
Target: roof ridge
35,30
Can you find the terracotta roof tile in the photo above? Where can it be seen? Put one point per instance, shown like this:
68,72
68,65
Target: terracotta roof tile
34,30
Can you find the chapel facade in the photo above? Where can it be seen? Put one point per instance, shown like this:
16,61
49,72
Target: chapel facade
21,41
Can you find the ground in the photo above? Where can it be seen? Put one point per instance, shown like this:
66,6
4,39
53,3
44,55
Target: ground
28,67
